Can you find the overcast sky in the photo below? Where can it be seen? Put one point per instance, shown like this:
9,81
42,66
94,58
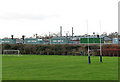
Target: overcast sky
28,17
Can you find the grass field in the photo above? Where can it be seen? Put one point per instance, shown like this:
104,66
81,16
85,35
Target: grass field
43,67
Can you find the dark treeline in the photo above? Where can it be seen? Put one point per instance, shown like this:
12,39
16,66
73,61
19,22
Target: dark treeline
60,49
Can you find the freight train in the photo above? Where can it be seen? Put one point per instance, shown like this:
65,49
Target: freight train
62,40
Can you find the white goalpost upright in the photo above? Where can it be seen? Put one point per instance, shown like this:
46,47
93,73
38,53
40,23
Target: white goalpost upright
88,44
0,60
12,52
100,45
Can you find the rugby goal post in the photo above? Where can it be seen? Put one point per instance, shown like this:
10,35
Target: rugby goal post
12,52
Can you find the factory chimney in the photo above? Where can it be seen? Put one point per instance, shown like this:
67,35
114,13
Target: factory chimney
60,31
72,32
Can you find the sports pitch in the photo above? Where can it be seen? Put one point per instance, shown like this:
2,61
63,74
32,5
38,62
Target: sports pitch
54,67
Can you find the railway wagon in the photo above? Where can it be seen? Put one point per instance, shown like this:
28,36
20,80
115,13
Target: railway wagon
8,41
33,41
91,40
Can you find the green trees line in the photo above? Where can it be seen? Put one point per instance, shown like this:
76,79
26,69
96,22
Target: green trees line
58,49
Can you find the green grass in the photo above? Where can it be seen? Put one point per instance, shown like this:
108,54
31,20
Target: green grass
34,67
